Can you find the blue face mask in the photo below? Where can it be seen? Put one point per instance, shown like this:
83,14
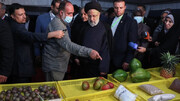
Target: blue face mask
138,19
68,19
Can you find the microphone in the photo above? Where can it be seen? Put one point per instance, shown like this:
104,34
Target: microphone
145,35
133,45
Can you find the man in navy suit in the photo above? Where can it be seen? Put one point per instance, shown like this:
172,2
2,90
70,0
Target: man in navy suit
23,70
42,24
124,30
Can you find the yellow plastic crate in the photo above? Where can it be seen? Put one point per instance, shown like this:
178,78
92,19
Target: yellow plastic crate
102,96
156,71
72,90
129,82
4,87
161,84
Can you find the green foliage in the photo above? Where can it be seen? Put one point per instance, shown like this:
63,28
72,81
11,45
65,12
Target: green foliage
169,61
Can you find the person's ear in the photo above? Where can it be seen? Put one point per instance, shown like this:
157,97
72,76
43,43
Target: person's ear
61,12
13,16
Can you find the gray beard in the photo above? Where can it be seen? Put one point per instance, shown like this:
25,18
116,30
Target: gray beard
93,24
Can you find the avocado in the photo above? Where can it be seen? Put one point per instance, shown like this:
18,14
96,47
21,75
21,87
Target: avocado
120,75
134,64
140,75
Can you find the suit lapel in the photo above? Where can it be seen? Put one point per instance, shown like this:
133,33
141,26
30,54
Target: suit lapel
120,25
49,17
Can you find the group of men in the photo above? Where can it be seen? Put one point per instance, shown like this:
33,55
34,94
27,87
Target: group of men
102,48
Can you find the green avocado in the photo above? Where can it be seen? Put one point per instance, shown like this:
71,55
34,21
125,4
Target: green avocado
140,75
134,64
120,75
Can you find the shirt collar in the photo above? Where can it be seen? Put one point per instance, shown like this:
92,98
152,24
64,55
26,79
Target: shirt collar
51,15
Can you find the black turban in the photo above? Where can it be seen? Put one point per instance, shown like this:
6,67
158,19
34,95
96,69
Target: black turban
92,5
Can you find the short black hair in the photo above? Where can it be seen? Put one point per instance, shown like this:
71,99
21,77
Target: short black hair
76,9
119,1
110,11
55,1
14,7
137,13
63,4
143,6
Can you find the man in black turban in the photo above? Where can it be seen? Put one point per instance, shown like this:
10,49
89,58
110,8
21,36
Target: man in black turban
94,35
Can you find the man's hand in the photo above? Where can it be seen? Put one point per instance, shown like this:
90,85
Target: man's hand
3,78
56,34
95,55
157,43
103,73
150,39
77,61
141,49
125,65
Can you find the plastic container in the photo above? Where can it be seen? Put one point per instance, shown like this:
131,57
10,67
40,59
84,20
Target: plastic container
161,84
72,91
4,87
129,82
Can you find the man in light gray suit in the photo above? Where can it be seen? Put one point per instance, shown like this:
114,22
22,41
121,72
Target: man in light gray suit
57,51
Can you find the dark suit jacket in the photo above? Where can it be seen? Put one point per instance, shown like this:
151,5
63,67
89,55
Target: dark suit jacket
42,23
23,41
6,49
127,31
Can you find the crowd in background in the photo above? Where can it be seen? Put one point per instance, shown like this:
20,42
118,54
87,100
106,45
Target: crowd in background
70,42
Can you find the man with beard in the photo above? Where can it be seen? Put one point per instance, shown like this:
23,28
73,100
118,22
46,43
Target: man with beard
57,52
94,35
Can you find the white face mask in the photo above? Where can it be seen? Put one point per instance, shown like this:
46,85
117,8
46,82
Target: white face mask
138,19
68,19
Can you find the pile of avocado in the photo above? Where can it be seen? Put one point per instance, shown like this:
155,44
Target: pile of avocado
137,73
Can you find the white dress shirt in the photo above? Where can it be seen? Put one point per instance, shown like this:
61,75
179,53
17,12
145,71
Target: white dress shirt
115,24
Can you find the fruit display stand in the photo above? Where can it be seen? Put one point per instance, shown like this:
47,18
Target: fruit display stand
72,91
129,82
161,84
5,87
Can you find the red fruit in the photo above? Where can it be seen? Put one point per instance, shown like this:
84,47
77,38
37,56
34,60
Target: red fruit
85,85
105,87
100,78
110,84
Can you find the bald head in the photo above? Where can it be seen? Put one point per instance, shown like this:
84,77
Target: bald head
66,10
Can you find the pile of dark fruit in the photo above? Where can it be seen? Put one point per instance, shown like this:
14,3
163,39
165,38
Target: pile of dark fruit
25,93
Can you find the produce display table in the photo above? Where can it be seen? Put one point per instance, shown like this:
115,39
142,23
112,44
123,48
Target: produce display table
71,90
